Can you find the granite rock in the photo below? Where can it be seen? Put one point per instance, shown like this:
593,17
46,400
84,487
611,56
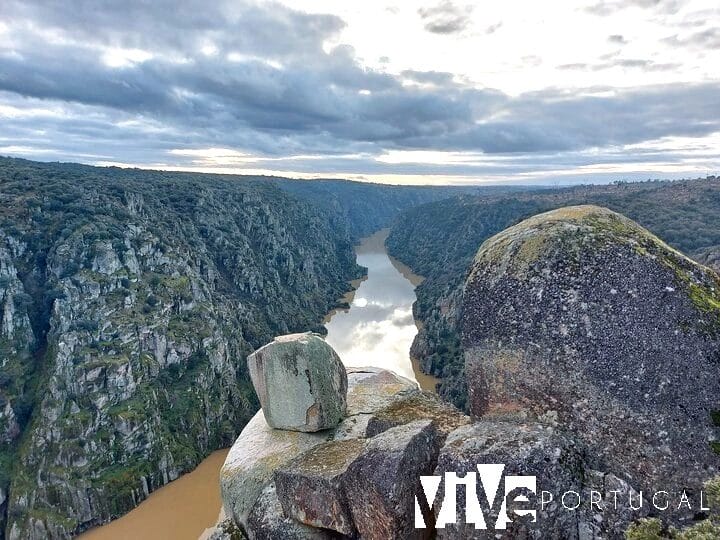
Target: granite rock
301,383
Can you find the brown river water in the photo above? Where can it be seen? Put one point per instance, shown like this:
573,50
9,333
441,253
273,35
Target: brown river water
377,330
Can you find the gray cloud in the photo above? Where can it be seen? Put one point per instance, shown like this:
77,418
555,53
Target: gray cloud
433,77
267,29
610,7
493,28
627,63
617,39
271,89
708,38
446,17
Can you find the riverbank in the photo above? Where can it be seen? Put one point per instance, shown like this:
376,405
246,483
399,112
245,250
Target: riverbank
180,510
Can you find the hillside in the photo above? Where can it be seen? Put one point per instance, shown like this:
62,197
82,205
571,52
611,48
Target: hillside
363,208
439,240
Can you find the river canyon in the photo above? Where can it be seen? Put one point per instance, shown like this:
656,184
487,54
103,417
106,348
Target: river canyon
376,330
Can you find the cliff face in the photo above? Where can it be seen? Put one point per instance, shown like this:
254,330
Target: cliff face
128,303
582,314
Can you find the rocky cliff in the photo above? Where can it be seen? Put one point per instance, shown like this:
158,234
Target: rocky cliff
128,303
582,314
361,479
591,362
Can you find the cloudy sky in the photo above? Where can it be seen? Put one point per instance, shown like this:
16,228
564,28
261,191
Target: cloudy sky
403,92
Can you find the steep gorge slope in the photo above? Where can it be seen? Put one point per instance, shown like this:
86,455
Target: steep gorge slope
363,208
128,303
439,240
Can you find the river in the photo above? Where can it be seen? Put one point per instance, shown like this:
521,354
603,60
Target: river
377,330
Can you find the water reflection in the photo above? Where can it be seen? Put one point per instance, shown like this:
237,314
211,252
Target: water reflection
378,329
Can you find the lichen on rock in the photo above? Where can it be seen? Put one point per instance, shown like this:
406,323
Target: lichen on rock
583,313
301,383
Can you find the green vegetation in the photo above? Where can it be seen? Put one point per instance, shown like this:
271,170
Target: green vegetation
138,296
707,529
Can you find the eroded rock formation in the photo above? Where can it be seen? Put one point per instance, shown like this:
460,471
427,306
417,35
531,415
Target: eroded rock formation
592,366
301,383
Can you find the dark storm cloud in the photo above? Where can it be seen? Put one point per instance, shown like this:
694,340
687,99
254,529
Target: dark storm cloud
267,85
446,17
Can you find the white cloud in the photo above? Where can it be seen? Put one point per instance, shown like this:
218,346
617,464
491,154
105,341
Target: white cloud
120,58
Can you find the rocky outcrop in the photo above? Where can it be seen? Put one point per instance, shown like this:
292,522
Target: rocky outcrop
583,315
312,487
439,241
362,479
404,465
359,478
384,480
592,373
523,448
301,383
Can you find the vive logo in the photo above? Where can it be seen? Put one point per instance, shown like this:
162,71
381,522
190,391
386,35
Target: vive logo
517,493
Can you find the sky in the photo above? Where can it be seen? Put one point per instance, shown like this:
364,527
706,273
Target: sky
436,92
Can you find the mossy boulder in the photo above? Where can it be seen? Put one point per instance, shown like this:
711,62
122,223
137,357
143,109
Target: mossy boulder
301,383
583,315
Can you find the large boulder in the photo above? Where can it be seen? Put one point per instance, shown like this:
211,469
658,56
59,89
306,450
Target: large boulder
524,448
267,521
311,488
362,488
583,315
252,460
301,383
260,450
